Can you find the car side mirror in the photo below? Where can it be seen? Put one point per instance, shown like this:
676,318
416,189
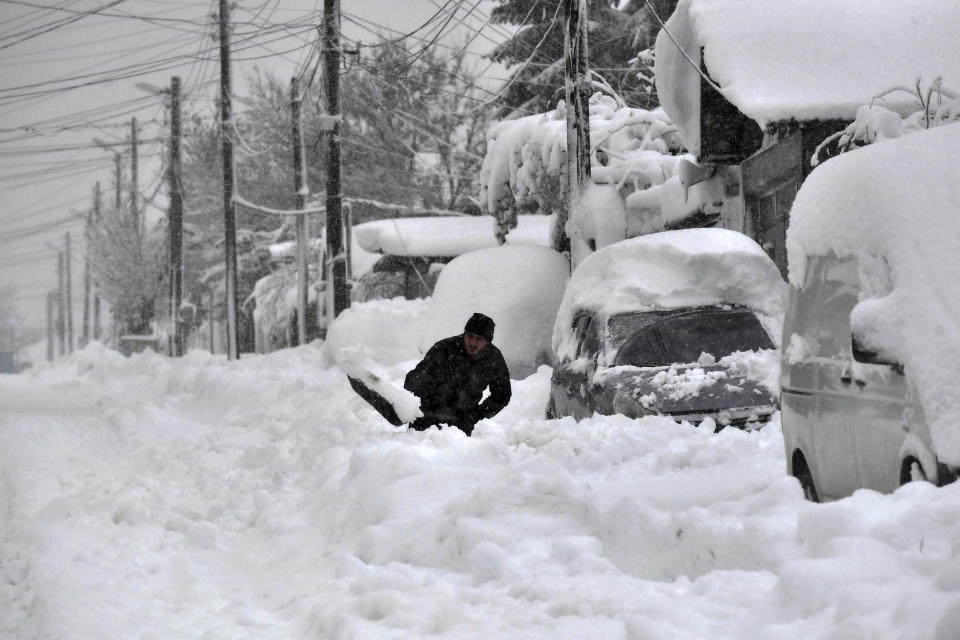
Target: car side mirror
868,356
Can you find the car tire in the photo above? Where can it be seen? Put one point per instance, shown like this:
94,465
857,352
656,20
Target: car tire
801,471
906,471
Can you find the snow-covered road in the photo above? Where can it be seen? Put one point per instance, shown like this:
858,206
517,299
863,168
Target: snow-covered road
153,498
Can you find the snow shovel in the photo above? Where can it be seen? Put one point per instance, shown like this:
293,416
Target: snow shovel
376,401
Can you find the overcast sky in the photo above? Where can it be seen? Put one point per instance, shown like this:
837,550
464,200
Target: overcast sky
68,76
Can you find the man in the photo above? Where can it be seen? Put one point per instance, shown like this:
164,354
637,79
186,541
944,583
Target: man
451,378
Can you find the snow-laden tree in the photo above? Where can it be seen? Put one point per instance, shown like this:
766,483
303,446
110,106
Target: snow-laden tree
130,270
633,153
617,31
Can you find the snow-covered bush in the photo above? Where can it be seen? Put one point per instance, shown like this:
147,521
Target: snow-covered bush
524,170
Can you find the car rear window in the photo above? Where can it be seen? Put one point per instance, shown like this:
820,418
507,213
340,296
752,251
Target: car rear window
680,339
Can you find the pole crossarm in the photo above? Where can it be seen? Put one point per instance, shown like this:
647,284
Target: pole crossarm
276,212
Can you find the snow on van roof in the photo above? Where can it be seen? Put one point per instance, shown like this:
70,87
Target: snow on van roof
895,205
446,235
805,59
672,269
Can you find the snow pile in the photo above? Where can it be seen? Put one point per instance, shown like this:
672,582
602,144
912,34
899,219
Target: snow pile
524,169
806,59
148,497
894,207
668,270
445,235
519,287
390,327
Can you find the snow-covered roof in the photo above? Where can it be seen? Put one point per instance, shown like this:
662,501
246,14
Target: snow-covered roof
672,269
446,235
805,59
898,200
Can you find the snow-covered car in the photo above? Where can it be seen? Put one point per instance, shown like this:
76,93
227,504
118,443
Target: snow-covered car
681,323
871,354
416,249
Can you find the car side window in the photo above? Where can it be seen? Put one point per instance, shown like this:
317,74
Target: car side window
590,345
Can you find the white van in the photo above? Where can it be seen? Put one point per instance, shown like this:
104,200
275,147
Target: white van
850,419
870,364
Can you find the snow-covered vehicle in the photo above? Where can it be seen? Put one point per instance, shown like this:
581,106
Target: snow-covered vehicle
416,249
681,323
871,358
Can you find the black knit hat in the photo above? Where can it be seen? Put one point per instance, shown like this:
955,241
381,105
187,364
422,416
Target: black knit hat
480,325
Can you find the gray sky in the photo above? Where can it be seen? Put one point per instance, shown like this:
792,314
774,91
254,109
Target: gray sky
68,76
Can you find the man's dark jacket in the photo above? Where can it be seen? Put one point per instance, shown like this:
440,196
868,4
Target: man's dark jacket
450,384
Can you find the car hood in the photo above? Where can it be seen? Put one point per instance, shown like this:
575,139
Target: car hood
688,389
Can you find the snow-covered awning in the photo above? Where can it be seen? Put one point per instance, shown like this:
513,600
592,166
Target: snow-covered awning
446,235
804,59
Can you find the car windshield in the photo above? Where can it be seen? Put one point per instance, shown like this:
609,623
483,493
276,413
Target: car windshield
681,338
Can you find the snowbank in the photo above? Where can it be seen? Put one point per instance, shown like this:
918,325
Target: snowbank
519,287
148,497
805,59
894,205
445,235
672,269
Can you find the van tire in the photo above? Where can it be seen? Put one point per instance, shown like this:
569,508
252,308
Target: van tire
801,471
906,470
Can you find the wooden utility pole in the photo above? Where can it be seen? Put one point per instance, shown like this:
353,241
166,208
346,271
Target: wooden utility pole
87,284
175,218
50,332
336,257
229,205
577,94
134,178
61,321
301,192
97,216
118,182
69,295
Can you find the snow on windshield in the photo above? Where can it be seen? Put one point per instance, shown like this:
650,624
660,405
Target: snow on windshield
669,270
804,59
446,235
894,205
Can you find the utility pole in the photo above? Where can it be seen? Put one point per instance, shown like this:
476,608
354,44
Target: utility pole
336,259
175,218
229,206
97,216
61,323
85,336
50,331
69,296
301,192
134,179
576,90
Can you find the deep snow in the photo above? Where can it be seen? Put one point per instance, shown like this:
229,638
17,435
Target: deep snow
154,498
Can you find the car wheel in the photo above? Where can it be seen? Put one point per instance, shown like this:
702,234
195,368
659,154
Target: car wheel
911,470
802,473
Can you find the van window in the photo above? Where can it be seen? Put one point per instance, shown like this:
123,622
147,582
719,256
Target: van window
803,314
841,284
